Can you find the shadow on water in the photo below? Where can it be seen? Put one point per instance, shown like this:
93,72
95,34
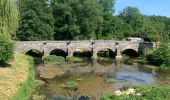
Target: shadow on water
94,78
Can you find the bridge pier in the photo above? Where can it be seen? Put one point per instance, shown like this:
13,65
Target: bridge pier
70,53
94,55
118,55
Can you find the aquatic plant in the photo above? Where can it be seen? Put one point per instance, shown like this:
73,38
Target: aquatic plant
75,59
70,85
54,58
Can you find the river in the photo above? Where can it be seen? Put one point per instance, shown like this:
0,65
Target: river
94,78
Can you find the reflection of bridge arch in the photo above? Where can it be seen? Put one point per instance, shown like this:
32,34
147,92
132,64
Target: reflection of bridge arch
130,53
106,52
58,52
34,53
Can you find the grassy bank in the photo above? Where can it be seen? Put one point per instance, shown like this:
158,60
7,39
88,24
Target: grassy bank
17,80
142,92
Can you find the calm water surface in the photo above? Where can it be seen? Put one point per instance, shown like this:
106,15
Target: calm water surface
95,78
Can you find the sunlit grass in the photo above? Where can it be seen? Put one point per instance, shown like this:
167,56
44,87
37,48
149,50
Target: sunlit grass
12,77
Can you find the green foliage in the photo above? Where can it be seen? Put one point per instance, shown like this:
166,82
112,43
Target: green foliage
86,19
108,6
70,85
8,25
147,93
36,22
161,55
122,97
54,58
9,17
152,92
77,19
133,21
75,59
6,48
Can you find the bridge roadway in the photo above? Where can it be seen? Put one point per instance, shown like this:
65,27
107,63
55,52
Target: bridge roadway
69,47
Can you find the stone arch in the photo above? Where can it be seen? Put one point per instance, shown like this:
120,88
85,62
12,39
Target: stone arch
59,52
34,53
106,52
130,52
82,52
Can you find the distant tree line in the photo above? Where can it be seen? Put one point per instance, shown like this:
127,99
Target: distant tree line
85,19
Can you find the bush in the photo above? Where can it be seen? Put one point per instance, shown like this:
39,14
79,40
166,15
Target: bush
142,92
54,58
6,49
160,56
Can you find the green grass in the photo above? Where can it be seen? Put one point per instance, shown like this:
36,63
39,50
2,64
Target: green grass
70,85
146,93
25,88
54,58
75,59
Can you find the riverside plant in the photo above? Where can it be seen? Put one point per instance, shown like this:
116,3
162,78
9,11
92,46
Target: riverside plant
54,58
70,85
140,92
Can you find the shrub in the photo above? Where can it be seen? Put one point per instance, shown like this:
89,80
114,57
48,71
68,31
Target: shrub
142,92
160,56
6,49
54,58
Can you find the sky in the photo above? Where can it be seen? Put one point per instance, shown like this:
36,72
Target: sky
146,7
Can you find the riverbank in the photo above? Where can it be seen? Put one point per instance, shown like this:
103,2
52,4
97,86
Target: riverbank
139,92
17,80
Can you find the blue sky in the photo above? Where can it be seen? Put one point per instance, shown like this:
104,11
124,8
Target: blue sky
147,7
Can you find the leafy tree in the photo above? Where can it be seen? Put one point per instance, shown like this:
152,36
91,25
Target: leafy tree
77,19
113,28
161,56
36,21
9,17
65,20
133,20
90,19
108,6
8,25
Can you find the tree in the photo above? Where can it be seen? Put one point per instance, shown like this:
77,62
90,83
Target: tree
8,25
9,17
108,6
36,22
109,22
133,20
77,19
65,19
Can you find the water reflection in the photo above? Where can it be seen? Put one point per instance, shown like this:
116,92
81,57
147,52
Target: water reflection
97,78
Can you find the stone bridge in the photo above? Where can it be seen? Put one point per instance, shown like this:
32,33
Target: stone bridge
69,47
